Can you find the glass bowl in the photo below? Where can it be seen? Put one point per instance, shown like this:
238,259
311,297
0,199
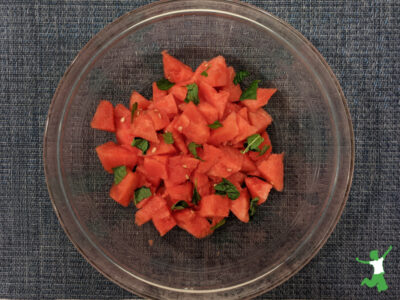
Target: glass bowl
311,125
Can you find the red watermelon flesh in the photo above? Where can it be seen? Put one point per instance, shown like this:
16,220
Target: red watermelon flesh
103,119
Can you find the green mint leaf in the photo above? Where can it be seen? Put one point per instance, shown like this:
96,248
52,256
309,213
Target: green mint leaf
219,224
193,149
180,205
225,187
204,73
240,76
168,138
253,206
196,196
264,149
215,125
140,143
119,174
253,142
142,193
192,93
164,84
134,108
251,92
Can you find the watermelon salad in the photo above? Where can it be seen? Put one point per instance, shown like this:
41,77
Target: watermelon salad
194,153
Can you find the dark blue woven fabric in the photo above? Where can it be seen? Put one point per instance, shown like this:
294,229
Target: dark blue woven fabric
360,39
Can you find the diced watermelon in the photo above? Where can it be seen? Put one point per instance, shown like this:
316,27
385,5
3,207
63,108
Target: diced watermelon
229,163
192,124
255,156
155,167
208,111
227,132
214,206
272,170
103,119
180,167
112,155
237,178
163,220
258,188
240,207
248,165
210,156
243,112
153,205
122,192
190,221
149,181
160,148
174,70
179,141
218,99
202,183
157,93
263,96
143,127
245,130
142,102
122,117
234,90
181,192
260,119
167,104
217,72
159,118
179,92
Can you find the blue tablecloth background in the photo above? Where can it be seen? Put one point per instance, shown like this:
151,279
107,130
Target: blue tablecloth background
360,39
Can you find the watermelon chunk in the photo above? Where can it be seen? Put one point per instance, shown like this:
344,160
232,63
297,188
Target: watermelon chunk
230,162
153,205
167,104
156,166
157,93
160,148
234,90
192,222
214,206
209,112
163,220
245,129
103,119
192,124
240,207
142,102
263,96
260,119
255,156
179,92
217,72
272,170
112,155
217,99
181,192
174,70
180,167
258,188
143,127
123,191
159,118
227,132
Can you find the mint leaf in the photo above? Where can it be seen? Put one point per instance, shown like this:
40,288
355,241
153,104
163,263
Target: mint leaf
227,188
215,125
119,174
240,76
251,92
219,224
168,138
142,193
140,143
196,196
253,206
264,149
180,205
134,108
192,93
193,149
204,73
253,142
164,84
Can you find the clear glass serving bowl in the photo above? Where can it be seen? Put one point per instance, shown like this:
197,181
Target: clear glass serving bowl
311,125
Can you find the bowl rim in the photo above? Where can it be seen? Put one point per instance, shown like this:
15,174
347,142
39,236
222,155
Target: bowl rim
227,2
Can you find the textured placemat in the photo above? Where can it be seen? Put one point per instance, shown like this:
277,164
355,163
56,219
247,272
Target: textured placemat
39,39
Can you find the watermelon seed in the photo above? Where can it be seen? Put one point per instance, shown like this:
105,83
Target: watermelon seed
180,128
154,150
229,170
187,176
159,115
122,119
184,166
